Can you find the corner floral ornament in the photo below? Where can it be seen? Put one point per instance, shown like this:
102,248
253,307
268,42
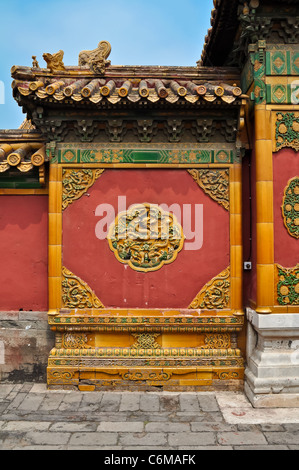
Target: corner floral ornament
145,237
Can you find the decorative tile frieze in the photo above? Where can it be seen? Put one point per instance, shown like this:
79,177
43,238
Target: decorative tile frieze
125,154
119,352
119,320
282,90
282,62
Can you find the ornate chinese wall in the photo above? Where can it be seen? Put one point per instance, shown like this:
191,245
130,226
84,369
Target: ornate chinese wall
116,321
144,311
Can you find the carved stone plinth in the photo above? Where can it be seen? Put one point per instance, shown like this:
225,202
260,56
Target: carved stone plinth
272,373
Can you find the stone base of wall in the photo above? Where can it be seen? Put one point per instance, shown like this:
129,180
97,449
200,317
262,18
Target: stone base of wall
25,342
272,372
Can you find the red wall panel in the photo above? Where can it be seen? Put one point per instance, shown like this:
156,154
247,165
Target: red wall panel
23,253
173,286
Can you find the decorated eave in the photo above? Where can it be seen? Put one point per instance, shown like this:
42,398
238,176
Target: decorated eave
22,157
237,23
121,87
96,83
220,37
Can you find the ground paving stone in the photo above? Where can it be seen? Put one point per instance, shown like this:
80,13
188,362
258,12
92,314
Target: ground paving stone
51,402
5,390
73,427
46,438
189,402
97,439
25,426
149,402
130,401
70,402
91,402
208,402
143,439
110,401
125,426
169,402
282,437
238,438
192,438
167,427
31,417
31,402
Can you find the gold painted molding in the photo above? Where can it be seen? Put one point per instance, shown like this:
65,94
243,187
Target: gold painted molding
215,183
76,182
76,293
215,294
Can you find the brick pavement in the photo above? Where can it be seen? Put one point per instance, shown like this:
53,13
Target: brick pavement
31,417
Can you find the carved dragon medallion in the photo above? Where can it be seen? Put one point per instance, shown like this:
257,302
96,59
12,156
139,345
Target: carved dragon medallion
145,237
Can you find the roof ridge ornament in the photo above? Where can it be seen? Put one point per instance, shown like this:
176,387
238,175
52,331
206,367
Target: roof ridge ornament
97,58
54,61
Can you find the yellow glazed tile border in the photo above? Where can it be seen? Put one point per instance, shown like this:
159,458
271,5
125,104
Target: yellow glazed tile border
264,197
55,237
24,192
236,248
264,208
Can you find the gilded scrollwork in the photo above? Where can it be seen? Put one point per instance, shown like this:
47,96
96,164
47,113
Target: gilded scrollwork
76,293
76,182
217,341
75,341
147,375
145,237
215,294
145,341
215,183
290,207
